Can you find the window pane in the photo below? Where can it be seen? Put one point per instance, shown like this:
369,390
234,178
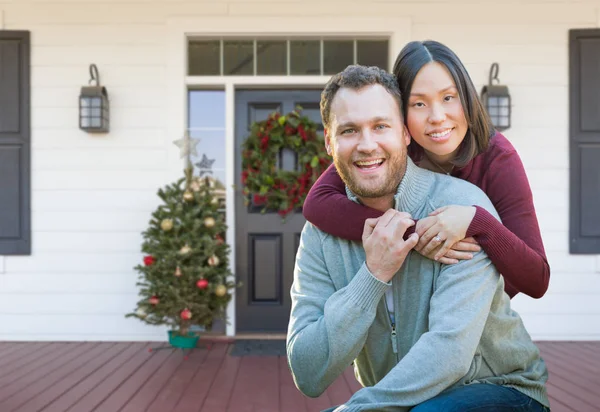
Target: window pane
238,57
206,108
212,145
305,57
211,149
271,57
338,54
373,53
204,58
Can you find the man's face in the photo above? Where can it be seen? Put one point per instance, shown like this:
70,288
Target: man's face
367,140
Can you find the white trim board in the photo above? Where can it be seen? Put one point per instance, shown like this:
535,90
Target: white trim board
179,29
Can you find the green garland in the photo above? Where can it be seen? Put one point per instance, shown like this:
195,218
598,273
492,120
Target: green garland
269,186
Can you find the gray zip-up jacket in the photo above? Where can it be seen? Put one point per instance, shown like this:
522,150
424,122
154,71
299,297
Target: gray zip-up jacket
453,323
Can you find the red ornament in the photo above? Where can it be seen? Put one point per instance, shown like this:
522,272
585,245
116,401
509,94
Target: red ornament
259,200
153,300
264,143
219,239
149,260
202,284
186,314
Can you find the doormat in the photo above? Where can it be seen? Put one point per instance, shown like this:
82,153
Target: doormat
258,347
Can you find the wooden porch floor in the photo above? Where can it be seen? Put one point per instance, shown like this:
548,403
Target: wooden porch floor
125,377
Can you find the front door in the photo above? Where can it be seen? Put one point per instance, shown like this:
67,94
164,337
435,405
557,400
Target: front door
265,247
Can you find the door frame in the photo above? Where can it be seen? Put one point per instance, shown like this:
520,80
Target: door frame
179,29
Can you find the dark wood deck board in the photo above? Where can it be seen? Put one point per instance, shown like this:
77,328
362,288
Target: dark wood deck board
562,368
146,395
258,376
35,368
63,379
169,396
104,390
11,352
353,384
575,366
134,382
290,398
91,370
202,386
339,391
112,377
28,353
39,376
88,392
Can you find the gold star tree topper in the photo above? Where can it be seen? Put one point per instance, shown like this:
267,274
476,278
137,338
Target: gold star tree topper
187,146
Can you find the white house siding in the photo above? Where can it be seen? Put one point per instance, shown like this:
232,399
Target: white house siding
92,195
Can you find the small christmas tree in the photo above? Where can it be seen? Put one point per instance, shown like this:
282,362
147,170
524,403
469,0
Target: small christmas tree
184,279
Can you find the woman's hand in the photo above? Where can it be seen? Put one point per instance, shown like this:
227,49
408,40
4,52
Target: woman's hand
442,234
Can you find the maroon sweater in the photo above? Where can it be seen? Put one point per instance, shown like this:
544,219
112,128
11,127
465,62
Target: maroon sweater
514,246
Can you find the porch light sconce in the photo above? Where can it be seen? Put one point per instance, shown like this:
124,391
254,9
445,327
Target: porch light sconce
93,105
496,99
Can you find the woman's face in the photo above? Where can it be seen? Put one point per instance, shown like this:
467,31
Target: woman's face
435,116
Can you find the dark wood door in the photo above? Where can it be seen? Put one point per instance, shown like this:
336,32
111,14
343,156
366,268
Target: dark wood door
265,247
584,142
15,144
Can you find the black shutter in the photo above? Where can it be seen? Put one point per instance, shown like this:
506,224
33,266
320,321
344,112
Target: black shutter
15,144
584,142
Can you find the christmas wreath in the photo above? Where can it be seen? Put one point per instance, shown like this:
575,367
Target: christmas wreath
270,186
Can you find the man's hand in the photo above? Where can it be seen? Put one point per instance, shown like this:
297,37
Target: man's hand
384,244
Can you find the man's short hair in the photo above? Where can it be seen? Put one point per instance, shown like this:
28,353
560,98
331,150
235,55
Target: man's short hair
356,77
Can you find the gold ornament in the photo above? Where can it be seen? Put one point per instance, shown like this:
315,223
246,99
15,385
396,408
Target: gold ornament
220,290
213,260
214,201
185,250
188,196
209,222
166,225
178,271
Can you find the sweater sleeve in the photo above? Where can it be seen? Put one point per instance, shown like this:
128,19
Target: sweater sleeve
328,327
515,246
327,207
459,309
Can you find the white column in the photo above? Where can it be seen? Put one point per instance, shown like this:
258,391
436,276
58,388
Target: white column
230,194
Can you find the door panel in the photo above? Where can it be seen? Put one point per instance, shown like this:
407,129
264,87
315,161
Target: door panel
266,247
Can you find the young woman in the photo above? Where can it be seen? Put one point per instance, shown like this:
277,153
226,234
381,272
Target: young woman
451,133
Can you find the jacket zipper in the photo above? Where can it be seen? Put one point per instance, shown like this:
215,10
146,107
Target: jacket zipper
393,326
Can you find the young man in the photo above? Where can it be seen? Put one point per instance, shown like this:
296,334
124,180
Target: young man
445,339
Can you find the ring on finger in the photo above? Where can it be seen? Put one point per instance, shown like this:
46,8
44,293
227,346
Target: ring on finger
437,238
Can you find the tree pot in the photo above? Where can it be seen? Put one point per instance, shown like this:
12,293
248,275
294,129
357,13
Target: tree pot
183,341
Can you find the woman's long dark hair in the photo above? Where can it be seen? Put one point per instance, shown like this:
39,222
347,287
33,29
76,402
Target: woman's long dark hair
480,130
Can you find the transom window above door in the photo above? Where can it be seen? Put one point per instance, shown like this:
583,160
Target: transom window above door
283,56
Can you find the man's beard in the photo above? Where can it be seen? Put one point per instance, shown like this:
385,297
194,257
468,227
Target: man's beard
380,187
